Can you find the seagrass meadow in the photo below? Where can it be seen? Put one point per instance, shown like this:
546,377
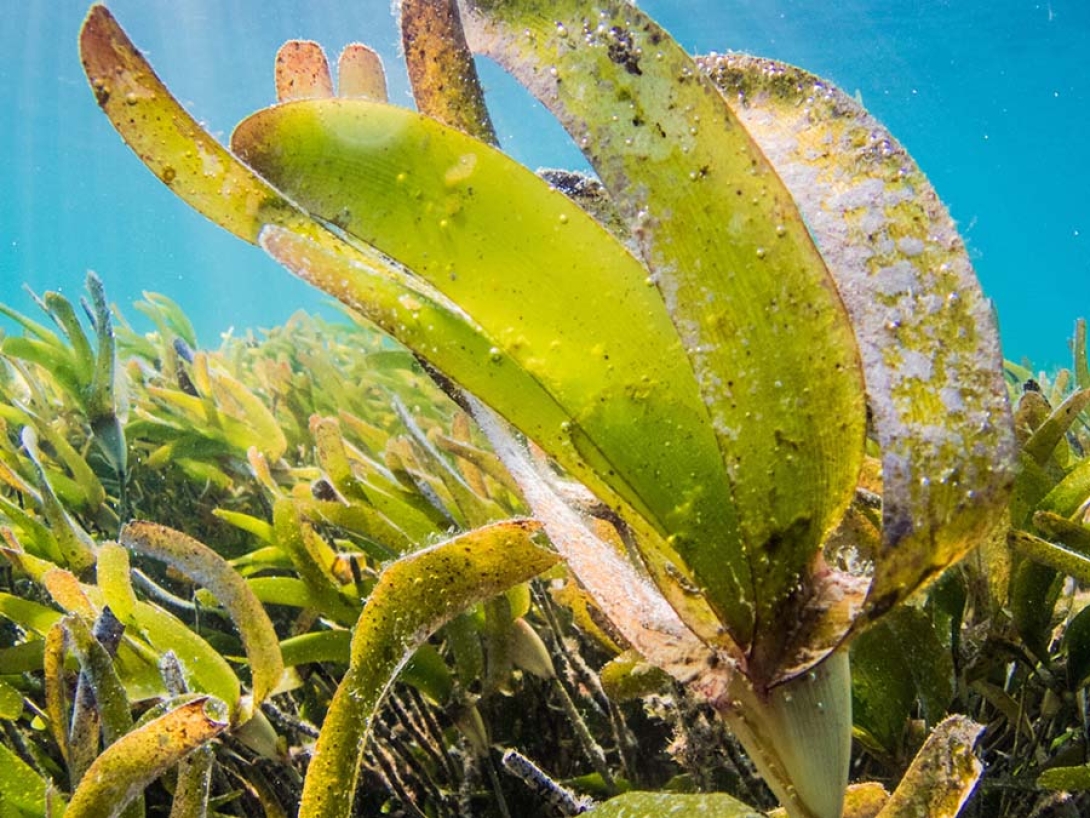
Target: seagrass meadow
696,484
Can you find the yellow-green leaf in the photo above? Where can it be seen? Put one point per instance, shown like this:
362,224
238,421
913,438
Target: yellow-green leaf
767,336
414,596
124,769
204,566
942,776
662,804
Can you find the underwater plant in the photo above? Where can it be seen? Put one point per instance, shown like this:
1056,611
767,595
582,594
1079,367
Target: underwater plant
771,299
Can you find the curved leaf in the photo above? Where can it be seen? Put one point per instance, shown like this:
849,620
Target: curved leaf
204,566
927,335
413,597
581,323
124,769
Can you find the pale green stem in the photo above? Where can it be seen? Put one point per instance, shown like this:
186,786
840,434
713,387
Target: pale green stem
799,735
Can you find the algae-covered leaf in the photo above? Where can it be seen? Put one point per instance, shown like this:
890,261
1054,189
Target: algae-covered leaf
124,769
414,596
662,804
205,668
761,323
204,566
441,68
926,333
1051,555
302,71
942,776
1068,779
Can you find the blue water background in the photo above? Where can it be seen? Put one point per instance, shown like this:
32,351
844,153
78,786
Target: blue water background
991,98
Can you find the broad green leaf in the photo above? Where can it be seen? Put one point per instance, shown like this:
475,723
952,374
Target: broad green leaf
1053,556
1034,590
898,664
1071,492
322,646
765,331
414,596
629,676
25,657
439,202
926,333
1074,535
125,768
11,700
247,522
211,180
29,615
283,591
1047,436
663,804
206,669
207,568
313,561
1068,779
115,580
180,153
20,785
1076,640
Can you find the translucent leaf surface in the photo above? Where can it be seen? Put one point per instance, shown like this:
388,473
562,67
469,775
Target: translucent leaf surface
767,336
414,596
576,322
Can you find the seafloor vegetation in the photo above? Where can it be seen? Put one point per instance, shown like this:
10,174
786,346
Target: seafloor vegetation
696,486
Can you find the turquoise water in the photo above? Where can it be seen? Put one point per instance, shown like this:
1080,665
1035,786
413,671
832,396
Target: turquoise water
991,98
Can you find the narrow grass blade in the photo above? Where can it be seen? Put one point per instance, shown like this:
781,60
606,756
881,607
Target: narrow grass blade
414,596
124,769
204,566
